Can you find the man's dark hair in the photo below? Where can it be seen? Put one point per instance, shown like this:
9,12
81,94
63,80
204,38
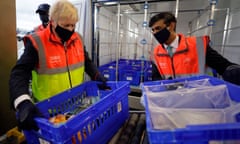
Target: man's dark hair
167,16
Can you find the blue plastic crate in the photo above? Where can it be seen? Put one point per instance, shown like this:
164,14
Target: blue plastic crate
135,71
132,74
108,72
95,124
135,63
148,73
128,70
195,134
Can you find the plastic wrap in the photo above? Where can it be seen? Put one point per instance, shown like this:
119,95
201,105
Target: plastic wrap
176,105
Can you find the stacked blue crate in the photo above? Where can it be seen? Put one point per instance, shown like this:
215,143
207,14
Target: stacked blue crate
108,71
130,70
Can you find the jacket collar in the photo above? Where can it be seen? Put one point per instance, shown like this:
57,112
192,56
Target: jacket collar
54,39
183,46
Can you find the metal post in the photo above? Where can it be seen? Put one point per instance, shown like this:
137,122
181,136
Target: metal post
118,45
211,21
177,6
95,51
225,32
144,41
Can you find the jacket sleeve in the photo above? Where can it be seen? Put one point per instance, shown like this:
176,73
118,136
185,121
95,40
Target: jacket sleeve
155,73
90,68
216,61
21,73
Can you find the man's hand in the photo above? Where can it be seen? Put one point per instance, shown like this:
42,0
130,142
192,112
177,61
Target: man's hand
103,84
232,74
27,111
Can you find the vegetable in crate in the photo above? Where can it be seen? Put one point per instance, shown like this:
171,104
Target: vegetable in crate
58,119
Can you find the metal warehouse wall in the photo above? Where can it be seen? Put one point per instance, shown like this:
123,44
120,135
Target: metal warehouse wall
225,31
119,30
8,56
119,34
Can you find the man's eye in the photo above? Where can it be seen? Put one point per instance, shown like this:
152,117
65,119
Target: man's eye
156,28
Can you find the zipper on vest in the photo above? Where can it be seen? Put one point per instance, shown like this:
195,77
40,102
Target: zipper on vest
66,56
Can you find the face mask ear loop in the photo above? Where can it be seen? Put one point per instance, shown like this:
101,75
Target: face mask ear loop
168,26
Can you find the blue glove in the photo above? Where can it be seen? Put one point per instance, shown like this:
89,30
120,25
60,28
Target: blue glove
103,84
27,111
232,74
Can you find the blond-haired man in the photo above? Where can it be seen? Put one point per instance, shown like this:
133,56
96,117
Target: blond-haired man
56,60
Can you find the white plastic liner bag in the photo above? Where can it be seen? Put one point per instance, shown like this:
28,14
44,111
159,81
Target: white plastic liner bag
174,86
194,102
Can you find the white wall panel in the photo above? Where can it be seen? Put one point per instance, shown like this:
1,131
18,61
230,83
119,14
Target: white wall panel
233,37
193,4
220,19
232,53
234,18
203,19
234,4
183,21
201,32
217,38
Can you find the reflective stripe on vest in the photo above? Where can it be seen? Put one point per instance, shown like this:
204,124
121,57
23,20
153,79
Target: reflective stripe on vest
47,82
188,60
201,55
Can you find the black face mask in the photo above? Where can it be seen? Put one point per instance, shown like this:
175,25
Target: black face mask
162,36
44,19
64,34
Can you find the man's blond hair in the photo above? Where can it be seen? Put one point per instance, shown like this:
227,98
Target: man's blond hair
63,9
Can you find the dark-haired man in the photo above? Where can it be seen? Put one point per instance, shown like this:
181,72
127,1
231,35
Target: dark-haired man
180,56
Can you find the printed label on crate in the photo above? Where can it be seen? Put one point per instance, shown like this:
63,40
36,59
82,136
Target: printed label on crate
42,141
106,75
129,78
119,107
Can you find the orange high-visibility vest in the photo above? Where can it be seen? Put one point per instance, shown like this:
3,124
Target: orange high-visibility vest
60,65
39,28
188,60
